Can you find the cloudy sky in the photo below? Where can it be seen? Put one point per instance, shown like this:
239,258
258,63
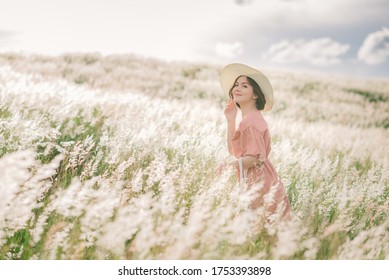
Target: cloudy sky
348,37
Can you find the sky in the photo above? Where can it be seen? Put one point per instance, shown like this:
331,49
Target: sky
347,37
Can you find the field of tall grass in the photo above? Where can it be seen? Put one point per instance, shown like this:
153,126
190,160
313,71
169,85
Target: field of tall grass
114,157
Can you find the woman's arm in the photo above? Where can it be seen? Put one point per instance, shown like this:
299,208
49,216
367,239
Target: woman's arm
247,162
230,134
230,112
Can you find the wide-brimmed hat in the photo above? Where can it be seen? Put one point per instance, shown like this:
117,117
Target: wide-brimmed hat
232,71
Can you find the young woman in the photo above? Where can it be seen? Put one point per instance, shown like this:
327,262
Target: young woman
251,92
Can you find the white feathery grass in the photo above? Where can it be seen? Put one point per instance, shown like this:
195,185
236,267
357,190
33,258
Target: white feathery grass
114,157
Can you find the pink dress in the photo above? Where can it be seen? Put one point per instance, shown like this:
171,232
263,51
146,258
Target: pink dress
252,138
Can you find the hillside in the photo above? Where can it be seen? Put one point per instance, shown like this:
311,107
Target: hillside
114,157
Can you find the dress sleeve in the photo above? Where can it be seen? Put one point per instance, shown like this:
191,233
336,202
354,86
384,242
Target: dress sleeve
253,143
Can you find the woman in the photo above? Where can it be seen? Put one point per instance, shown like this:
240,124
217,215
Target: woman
251,92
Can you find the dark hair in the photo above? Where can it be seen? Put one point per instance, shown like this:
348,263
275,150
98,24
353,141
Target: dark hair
260,101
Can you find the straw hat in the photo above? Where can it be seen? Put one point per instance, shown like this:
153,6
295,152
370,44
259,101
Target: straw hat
232,71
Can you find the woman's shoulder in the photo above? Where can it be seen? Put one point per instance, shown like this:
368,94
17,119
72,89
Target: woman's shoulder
253,120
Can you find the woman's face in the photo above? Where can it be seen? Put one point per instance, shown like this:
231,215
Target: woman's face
242,91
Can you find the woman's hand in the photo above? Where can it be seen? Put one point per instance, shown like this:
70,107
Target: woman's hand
231,111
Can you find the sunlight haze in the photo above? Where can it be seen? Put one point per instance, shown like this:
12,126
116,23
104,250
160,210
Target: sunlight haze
348,37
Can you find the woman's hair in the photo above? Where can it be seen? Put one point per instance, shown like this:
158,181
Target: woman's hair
260,101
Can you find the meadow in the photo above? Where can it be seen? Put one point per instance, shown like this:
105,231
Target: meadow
114,157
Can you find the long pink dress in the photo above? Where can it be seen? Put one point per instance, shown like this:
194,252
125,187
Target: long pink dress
252,138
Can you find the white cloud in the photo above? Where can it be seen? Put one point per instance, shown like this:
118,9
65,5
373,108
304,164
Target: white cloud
173,29
375,48
322,51
243,2
229,50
